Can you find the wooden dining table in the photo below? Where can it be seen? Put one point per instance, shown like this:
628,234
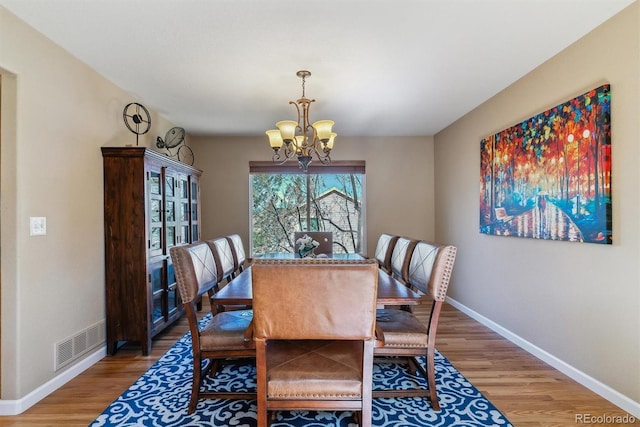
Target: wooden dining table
390,290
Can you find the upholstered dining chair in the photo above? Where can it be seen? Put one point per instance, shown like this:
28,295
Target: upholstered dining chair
400,257
399,261
225,266
238,252
314,330
404,335
223,336
384,249
223,255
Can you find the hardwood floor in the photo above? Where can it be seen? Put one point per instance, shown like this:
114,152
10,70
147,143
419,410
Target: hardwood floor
529,392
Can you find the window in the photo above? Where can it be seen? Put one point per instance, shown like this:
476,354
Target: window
284,200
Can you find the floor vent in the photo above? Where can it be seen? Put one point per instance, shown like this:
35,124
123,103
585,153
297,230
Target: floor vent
74,347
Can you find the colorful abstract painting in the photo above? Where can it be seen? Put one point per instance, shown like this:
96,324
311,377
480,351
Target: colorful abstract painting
549,177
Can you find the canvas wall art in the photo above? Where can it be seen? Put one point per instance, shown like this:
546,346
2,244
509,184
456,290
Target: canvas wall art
549,177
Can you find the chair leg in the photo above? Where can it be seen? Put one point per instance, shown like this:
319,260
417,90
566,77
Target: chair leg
212,368
261,382
431,379
195,385
263,416
412,365
357,418
363,418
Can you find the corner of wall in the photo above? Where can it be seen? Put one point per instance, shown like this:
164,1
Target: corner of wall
8,238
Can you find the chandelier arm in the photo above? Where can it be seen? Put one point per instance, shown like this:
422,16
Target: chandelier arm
287,154
307,142
325,148
325,160
321,154
295,104
314,138
292,151
306,108
277,159
308,130
288,151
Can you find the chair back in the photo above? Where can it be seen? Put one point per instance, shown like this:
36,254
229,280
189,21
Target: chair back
223,256
324,238
318,299
221,337
401,256
430,268
195,270
237,250
384,249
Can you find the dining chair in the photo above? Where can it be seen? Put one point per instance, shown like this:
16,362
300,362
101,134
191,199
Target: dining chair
405,337
400,257
223,255
324,239
384,249
225,263
399,261
314,331
223,336
239,255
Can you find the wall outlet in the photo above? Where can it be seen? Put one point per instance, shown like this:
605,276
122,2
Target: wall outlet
37,226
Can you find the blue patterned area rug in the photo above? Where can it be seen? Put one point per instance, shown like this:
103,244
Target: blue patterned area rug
160,398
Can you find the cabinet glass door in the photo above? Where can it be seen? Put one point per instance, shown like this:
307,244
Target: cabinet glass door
157,274
183,209
184,220
171,187
173,297
154,194
194,208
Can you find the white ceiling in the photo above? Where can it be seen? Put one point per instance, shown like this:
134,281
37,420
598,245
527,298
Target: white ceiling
379,67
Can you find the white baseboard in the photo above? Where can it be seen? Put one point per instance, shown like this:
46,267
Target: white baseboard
613,396
15,407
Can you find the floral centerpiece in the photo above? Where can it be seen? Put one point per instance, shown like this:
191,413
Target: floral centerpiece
306,245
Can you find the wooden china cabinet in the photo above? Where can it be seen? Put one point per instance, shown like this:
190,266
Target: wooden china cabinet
151,203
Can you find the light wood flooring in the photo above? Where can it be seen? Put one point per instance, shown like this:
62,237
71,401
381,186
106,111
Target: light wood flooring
529,392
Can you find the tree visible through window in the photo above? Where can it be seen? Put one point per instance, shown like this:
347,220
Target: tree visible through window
328,198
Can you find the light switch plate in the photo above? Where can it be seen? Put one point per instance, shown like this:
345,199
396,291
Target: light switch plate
37,225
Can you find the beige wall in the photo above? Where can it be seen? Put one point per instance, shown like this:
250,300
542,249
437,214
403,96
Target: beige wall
56,114
578,302
399,180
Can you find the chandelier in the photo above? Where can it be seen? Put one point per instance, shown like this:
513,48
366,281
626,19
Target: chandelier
301,139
